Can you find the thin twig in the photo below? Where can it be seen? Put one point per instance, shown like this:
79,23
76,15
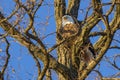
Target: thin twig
38,6
10,15
7,59
116,40
111,8
97,34
114,63
48,35
100,75
114,47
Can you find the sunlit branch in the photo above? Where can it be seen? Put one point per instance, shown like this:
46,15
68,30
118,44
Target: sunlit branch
30,25
39,41
46,66
105,21
48,74
3,35
94,62
41,53
37,51
96,4
111,8
60,8
114,24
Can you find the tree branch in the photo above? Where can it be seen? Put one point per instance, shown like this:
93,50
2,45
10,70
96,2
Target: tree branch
38,52
60,8
73,7
7,60
97,34
104,48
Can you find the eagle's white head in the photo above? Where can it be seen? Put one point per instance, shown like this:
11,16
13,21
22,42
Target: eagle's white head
66,19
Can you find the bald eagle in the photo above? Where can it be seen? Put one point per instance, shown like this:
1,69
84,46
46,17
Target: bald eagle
69,27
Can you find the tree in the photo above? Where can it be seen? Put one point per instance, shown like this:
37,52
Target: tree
28,37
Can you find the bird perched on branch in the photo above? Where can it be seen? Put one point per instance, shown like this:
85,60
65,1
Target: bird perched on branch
69,27
68,32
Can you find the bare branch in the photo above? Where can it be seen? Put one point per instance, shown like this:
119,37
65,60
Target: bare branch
46,66
100,75
110,78
116,40
114,47
10,15
30,24
97,6
48,35
108,40
105,4
116,75
111,8
97,34
60,8
86,16
48,75
38,6
7,59
65,64
35,49
113,64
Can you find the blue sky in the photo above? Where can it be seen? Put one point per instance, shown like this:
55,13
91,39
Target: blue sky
22,65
